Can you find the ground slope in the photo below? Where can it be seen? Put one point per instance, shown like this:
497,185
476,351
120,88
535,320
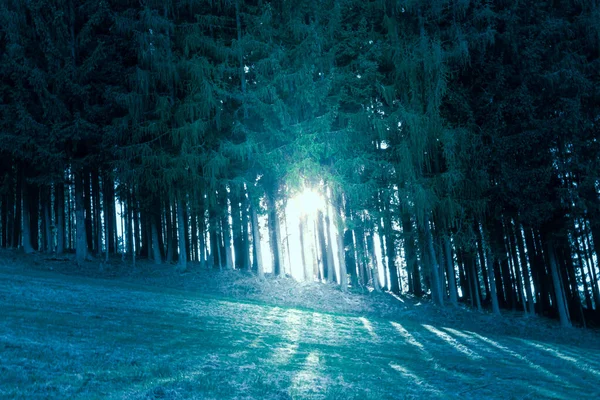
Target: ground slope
73,337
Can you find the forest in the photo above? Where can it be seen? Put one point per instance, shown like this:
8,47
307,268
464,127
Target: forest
445,149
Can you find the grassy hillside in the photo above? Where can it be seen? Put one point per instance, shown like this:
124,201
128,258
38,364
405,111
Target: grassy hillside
67,336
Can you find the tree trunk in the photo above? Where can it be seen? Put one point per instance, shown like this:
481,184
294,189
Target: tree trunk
256,242
59,205
340,239
130,247
236,227
374,262
34,216
591,267
302,232
472,264
182,260
96,215
561,306
89,235
245,233
80,231
10,216
156,256
482,259
47,214
535,260
511,233
331,274
436,289
170,226
349,253
390,241
451,274
26,230
492,276
18,210
525,267
412,266
226,235
359,232
4,220
273,239
322,244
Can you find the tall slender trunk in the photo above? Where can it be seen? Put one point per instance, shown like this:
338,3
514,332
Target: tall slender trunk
534,261
374,262
202,229
129,225
586,289
287,244
10,215
525,268
71,214
482,259
182,260
390,241
349,252
245,232
342,261
47,214
511,233
436,289
16,242
451,274
4,220
89,232
561,306
34,216
26,230
80,235
97,219
331,274
59,205
492,276
412,266
302,231
359,232
273,221
169,223
256,241
472,264
592,267
156,256
236,227
226,233
322,244
109,212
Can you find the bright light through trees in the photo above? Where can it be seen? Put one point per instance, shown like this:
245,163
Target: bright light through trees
306,203
300,227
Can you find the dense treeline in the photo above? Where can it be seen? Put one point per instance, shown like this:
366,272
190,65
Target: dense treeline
455,141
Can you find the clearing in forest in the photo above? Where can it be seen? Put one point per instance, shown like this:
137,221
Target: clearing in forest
71,337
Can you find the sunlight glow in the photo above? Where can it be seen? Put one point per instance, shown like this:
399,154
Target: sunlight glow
582,365
307,202
406,335
454,343
508,351
415,378
369,327
301,211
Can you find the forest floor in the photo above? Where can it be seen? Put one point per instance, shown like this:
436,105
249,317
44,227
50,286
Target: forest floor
113,332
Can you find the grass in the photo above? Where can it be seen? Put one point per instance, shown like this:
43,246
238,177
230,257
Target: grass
87,338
